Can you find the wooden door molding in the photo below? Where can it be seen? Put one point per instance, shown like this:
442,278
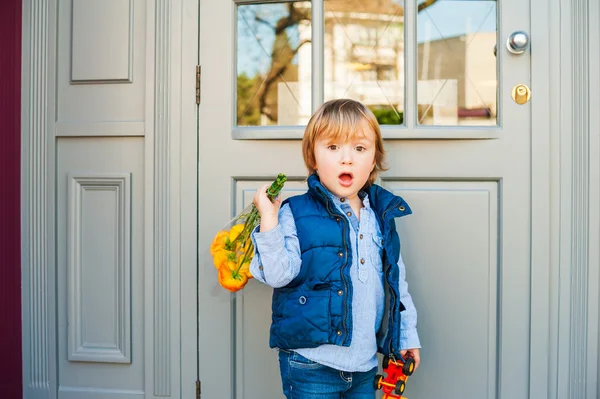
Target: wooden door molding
37,204
159,149
542,130
574,361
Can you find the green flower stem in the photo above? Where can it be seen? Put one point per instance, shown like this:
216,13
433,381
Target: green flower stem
276,187
250,250
253,219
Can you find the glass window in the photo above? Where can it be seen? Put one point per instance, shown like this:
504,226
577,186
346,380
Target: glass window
457,74
274,64
364,55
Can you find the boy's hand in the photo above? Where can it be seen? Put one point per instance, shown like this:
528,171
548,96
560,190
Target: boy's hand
268,210
414,353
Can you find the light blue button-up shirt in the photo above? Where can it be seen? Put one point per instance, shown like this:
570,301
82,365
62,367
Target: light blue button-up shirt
277,261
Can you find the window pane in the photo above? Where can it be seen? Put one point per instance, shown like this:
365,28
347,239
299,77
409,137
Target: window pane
273,64
364,55
457,81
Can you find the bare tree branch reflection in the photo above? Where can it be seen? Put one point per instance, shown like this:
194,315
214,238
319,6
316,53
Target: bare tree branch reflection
258,94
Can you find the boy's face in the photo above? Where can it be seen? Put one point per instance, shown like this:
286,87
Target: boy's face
344,167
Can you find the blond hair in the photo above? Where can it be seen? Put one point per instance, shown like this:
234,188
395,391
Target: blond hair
340,120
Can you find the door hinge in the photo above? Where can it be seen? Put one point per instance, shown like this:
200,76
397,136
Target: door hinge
198,71
198,389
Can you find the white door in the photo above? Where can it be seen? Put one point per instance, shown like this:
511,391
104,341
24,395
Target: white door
459,151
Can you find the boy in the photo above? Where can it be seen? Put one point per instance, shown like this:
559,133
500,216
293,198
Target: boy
332,256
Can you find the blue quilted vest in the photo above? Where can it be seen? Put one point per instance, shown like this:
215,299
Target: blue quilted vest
315,308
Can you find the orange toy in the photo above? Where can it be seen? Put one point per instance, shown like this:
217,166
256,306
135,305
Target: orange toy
397,374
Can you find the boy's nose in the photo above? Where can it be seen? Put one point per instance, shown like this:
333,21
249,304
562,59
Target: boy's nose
346,157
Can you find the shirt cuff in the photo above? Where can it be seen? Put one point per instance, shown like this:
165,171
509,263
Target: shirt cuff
265,242
269,239
409,339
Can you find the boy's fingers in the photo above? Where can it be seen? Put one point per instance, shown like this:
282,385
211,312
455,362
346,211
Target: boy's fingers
261,199
416,355
262,191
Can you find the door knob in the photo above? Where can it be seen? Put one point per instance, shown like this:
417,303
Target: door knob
521,93
517,42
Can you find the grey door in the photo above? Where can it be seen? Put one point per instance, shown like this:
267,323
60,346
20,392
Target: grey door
439,77
117,133
100,188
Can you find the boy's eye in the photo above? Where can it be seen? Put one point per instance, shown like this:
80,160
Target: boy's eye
360,148
332,147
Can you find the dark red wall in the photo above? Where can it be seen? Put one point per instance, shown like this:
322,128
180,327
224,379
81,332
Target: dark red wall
10,197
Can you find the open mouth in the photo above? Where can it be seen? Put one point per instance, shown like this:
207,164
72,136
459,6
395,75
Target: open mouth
346,179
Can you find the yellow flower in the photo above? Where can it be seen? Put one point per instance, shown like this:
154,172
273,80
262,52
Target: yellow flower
235,231
219,242
222,256
232,249
231,279
245,268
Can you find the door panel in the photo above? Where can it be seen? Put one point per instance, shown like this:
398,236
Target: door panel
467,245
101,193
101,273
453,238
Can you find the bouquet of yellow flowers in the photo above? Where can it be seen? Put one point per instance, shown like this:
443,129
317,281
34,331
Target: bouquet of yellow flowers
232,248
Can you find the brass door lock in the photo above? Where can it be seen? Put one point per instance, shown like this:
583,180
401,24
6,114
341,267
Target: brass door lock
521,93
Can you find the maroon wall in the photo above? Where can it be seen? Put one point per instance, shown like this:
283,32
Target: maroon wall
10,197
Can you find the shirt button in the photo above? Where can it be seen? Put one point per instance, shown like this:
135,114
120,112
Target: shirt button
362,261
342,199
361,236
382,241
337,219
339,332
340,292
349,213
401,208
341,255
260,268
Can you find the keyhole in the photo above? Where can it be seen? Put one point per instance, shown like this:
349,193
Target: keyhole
521,94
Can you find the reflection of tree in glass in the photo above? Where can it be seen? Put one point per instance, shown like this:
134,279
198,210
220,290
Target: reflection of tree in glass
387,116
258,95
425,4
282,55
247,109
263,95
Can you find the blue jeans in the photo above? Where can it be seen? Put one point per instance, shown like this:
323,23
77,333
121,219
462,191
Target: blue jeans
304,379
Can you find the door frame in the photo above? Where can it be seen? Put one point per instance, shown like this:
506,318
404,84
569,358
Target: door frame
565,258
564,311
575,202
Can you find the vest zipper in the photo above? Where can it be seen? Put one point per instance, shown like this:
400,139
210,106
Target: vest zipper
392,308
343,266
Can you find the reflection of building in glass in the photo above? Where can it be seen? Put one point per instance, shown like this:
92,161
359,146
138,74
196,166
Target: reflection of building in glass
364,60
458,75
363,47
